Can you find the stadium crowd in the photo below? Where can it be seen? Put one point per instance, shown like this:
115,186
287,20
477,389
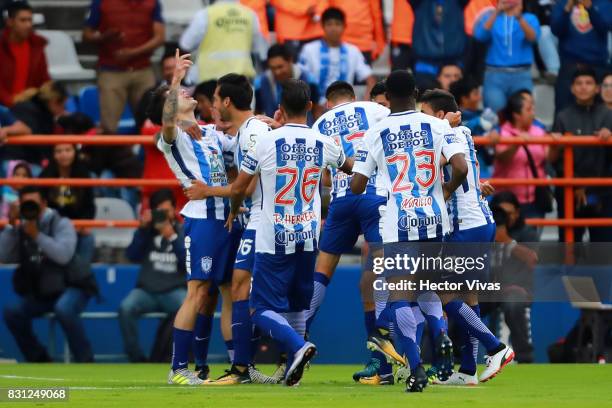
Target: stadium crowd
487,53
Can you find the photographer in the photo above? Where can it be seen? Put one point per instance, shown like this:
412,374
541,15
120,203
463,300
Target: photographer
50,277
160,248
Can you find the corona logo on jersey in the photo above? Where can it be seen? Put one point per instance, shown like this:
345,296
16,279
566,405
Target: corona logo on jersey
294,237
406,223
416,202
406,138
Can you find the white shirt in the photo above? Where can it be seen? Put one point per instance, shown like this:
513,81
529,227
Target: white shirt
200,160
329,64
407,147
467,207
347,123
246,138
289,161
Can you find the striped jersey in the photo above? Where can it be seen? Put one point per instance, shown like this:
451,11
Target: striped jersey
200,160
289,161
467,207
347,123
248,134
407,147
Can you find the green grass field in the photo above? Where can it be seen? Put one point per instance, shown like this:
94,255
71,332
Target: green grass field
143,385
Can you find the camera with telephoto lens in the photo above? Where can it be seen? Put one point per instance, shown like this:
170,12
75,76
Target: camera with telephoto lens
29,210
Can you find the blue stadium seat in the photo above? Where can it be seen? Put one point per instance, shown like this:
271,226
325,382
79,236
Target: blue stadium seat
89,104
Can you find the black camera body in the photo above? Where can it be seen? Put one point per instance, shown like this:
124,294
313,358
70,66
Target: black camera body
29,210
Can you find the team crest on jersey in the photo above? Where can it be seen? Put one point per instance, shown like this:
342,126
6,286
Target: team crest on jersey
361,156
452,138
206,264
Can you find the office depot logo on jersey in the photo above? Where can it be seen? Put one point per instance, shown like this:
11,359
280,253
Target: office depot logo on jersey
343,124
416,202
288,237
297,152
290,219
405,138
407,223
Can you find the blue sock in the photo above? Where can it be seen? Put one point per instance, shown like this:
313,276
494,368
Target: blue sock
469,321
255,342
369,319
242,332
320,286
229,345
431,306
370,324
271,322
201,338
469,349
403,319
180,349
385,318
420,320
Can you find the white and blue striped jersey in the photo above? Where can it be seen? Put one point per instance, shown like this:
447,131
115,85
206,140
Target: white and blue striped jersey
289,161
200,160
248,134
347,123
467,207
406,147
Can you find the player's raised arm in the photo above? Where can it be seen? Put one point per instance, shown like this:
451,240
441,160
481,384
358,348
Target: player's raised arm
171,106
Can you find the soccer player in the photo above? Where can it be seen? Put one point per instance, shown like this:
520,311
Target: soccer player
232,99
207,259
471,222
289,161
405,149
378,94
350,215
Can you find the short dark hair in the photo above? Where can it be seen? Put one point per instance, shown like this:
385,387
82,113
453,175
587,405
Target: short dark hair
449,65
31,190
440,100
16,6
585,71
156,104
333,13
379,89
238,88
339,88
206,88
513,105
76,123
295,97
499,216
400,84
160,196
280,50
505,197
168,53
463,88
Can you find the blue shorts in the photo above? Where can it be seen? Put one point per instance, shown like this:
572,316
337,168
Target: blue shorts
210,250
348,217
245,257
484,233
481,240
283,283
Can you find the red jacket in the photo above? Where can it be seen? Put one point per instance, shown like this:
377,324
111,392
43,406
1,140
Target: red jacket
38,66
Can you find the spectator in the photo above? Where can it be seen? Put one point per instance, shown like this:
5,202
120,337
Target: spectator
521,161
586,116
438,37
158,245
72,202
330,59
481,123
547,43
9,126
10,195
582,27
513,264
281,68
606,90
510,34
50,276
259,7
401,35
476,51
224,36
378,94
22,53
297,22
203,93
38,110
448,74
364,26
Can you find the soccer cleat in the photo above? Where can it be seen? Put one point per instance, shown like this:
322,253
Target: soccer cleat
380,341
496,363
402,374
376,379
459,379
417,380
300,359
183,377
203,372
432,375
444,351
257,377
370,370
233,376
279,373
